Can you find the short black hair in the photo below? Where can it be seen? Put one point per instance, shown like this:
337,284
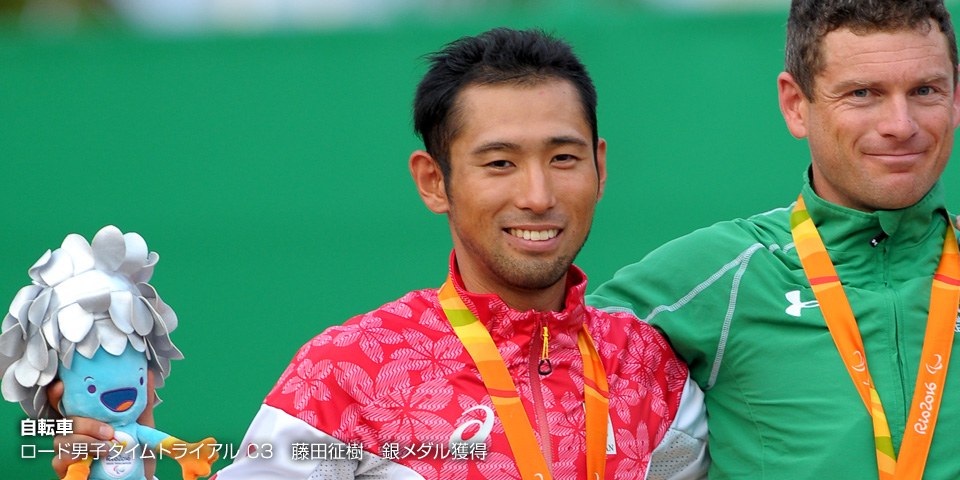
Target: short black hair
811,20
498,56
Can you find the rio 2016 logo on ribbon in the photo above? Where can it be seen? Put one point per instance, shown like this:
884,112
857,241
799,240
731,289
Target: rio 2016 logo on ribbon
926,405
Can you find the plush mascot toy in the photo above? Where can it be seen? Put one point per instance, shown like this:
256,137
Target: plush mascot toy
91,319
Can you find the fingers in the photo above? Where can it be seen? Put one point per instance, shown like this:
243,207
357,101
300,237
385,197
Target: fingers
54,394
87,431
92,432
146,418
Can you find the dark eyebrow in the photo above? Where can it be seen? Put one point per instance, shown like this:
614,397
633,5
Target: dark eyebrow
509,146
559,141
495,146
87,378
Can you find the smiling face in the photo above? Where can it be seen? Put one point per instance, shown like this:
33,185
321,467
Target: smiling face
522,189
108,388
880,125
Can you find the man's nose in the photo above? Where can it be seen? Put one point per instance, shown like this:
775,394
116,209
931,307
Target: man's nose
897,119
536,191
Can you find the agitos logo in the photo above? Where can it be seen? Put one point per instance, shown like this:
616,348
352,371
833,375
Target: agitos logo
935,368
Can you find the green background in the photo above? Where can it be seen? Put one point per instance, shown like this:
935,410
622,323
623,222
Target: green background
270,171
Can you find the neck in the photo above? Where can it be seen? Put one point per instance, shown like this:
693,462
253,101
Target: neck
831,196
549,299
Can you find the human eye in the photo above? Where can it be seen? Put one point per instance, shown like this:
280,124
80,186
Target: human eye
858,96
565,158
499,164
931,94
927,90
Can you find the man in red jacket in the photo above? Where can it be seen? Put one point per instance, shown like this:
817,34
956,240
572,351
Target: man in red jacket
502,372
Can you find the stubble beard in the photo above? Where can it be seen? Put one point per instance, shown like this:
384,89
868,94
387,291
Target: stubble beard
523,273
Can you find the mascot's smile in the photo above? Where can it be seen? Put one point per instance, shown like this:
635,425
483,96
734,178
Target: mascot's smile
119,400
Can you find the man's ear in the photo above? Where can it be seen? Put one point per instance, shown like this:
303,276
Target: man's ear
601,166
793,105
956,102
430,183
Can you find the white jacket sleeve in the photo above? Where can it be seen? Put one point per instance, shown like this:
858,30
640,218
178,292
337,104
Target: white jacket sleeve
282,447
682,454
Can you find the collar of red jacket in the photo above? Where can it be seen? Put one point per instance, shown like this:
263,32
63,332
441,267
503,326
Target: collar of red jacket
505,322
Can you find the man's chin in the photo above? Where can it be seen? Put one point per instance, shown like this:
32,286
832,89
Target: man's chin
535,275
895,195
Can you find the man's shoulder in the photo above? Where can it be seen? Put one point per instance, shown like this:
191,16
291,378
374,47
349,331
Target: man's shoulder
369,341
767,228
416,312
635,344
621,327
689,265
721,243
353,363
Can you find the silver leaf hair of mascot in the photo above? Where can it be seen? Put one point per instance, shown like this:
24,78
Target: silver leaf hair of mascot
84,296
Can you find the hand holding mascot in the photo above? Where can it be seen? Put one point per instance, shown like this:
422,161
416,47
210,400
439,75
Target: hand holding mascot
91,319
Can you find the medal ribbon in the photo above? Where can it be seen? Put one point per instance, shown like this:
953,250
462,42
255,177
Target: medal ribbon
503,392
934,358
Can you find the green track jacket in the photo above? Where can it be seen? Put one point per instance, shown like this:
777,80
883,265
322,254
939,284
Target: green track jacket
733,301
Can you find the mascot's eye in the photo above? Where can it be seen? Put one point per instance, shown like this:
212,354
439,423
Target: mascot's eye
141,380
92,389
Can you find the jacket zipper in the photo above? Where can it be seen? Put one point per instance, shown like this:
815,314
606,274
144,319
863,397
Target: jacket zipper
545,367
896,411
536,351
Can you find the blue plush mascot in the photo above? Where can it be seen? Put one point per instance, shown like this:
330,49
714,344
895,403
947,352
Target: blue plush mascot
91,319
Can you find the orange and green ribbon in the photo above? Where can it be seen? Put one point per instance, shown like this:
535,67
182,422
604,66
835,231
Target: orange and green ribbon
503,392
934,358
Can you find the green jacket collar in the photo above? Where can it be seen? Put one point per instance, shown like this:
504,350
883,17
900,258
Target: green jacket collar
845,229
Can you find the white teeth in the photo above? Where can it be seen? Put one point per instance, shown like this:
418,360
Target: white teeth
536,235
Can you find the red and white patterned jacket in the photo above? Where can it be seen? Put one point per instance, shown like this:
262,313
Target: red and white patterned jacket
388,393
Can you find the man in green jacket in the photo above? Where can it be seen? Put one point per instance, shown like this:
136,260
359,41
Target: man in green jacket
843,380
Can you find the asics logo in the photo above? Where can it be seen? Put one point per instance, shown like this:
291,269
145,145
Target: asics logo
484,427
796,306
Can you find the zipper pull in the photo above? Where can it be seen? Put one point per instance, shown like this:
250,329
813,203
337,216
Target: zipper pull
879,238
545,367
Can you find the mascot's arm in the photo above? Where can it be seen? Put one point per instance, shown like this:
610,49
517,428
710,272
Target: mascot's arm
195,458
79,470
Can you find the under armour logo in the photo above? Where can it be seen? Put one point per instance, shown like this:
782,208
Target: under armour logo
796,305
